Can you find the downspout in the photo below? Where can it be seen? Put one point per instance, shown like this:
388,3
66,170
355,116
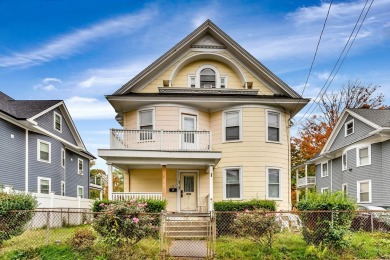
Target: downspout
26,166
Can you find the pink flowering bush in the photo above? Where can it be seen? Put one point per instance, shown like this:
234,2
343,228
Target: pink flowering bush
125,223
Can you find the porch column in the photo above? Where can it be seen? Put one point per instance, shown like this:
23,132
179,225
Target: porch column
211,185
164,180
109,174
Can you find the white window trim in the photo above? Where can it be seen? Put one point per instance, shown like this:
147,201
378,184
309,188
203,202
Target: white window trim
346,161
39,151
324,189
39,184
358,155
189,79
280,183
226,81
54,121
139,117
77,191
327,169
63,158
342,188
78,163
369,191
266,126
217,75
63,188
240,168
345,127
224,125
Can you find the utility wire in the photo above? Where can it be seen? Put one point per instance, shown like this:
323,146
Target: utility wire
338,60
315,55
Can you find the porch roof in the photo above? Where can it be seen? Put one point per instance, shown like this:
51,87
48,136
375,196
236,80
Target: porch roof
154,159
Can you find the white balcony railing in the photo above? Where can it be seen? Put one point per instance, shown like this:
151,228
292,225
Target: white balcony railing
310,181
125,196
160,140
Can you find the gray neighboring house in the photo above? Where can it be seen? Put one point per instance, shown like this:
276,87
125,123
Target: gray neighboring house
356,157
40,148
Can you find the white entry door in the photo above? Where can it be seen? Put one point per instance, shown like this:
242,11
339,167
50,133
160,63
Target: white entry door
188,191
189,137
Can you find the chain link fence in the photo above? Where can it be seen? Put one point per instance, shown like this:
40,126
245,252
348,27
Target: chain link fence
203,236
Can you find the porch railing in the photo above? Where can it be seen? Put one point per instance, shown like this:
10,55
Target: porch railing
160,140
125,196
306,181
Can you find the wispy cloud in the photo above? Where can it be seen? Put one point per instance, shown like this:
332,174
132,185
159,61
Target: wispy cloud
68,44
47,84
47,80
89,108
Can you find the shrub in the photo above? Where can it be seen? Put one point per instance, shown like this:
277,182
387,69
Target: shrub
225,219
257,225
329,226
12,223
125,223
82,239
153,206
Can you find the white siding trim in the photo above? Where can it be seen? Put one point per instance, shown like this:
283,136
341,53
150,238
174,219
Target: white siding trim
26,166
358,191
267,182
324,189
240,168
224,125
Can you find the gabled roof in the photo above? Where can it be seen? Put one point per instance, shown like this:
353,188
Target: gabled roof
376,118
233,47
24,109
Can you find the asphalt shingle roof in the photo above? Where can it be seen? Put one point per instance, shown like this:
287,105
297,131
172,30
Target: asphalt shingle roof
379,117
23,109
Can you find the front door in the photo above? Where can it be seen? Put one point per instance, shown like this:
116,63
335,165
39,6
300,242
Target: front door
188,191
188,137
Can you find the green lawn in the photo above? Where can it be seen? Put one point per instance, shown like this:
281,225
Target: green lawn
32,245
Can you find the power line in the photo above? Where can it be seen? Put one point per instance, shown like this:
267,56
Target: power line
315,55
338,60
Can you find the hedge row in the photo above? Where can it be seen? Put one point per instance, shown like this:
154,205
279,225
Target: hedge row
153,206
245,205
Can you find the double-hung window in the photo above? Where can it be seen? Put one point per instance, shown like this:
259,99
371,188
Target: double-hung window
44,151
364,191
349,127
80,166
344,161
273,183
232,125
273,126
57,122
63,157
324,169
363,156
44,185
80,191
232,183
146,119
324,190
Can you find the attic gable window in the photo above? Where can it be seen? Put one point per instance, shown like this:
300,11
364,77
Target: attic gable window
207,78
349,127
57,122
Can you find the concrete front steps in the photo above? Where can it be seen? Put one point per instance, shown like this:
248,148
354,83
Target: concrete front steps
188,226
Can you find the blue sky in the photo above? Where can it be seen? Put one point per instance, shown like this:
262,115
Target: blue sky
81,51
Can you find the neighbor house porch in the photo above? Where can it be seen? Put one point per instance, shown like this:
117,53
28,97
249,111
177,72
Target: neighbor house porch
179,171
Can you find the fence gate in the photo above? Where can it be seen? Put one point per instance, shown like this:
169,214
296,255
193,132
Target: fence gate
189,235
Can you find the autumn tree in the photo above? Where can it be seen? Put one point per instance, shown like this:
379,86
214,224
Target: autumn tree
316,129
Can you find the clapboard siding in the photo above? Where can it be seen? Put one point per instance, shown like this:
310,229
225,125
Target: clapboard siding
322,182
360,130
386,172
46,121
72,178
12,155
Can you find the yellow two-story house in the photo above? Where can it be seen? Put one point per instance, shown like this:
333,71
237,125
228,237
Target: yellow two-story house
205,122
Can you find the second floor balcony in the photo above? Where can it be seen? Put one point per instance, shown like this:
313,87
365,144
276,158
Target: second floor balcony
160,140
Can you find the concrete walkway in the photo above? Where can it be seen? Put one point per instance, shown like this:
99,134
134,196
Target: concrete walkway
188,248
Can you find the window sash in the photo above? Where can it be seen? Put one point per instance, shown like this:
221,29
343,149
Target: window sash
44,150
44,186
325,169
233,184
273,183
58,122
232,125
344,162
273,125
80,192
80,166
364,156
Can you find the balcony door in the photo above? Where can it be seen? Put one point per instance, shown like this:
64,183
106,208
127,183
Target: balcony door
188,191
188,124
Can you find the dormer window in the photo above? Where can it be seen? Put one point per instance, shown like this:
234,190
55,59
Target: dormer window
349,127
207,78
